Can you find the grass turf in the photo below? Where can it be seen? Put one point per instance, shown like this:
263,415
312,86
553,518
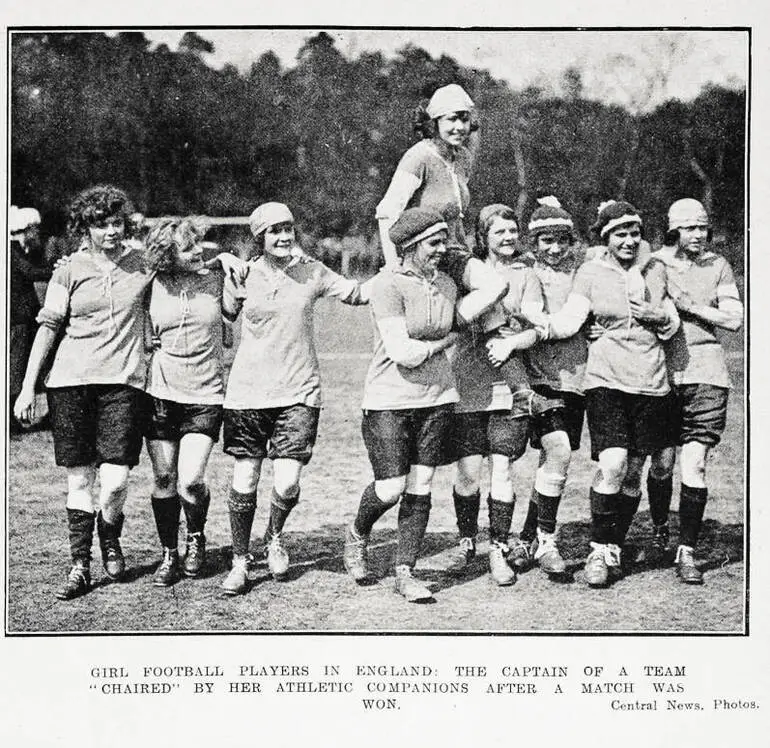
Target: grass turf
318,595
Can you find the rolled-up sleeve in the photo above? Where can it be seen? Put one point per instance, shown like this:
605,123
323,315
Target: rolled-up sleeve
57,299
339,287
403,185
387,306
728,298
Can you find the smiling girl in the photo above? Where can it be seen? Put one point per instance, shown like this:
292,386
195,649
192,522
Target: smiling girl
273,397
408,395
703,287
185,382
626,384
95,386
433,174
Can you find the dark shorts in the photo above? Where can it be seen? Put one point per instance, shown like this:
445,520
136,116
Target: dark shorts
702,413
398,439
278,433
487,432
571,416
96,423
642,424
168,420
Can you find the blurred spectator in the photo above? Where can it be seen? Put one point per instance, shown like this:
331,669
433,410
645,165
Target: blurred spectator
26,268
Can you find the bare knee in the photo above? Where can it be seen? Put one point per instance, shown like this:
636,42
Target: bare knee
113,479
420,479
662,464
693,462
193,491
246,474
613,464
467,475
389,490
165,481
557,452
500,479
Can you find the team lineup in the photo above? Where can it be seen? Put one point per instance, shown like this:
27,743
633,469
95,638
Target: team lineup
483,344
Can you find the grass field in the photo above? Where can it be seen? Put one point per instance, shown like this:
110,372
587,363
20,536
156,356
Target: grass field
318,596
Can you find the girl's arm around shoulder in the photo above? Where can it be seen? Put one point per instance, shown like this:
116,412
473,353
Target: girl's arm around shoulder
346,290
570,318
233,296
484,286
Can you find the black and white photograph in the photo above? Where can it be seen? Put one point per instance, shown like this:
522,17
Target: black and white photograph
374,330
385,376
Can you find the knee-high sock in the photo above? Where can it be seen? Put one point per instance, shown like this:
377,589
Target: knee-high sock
370,509
467,513
280,509
604,517
413,513
627,507
692,505
196,513
659,495
166,512
241,507
500,516
81,533
529,531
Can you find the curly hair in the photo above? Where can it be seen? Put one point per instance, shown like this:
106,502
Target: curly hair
96,204
484,220
167,237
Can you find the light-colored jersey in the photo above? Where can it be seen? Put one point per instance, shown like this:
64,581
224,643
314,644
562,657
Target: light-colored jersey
694,354
479,387
559,364
186,317
276,364
629,356
431,175
101,305
410,314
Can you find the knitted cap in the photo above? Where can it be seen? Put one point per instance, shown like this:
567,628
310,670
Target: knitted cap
414,225
447,99
613,213
687,212
269,214
549,216
20,219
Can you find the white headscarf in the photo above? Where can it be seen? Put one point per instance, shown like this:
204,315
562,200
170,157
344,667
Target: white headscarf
448,99
269,214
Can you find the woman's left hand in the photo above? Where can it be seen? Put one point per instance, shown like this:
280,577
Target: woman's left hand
237,269
299,255
62,262
643,311
499,350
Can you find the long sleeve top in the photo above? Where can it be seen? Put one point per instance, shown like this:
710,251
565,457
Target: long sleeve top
431,175
559,364
694,354
276,364
479,387
410,313
629,355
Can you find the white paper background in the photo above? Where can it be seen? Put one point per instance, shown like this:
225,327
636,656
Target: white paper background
45,699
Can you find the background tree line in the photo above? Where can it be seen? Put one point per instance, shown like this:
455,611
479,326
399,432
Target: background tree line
325,135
